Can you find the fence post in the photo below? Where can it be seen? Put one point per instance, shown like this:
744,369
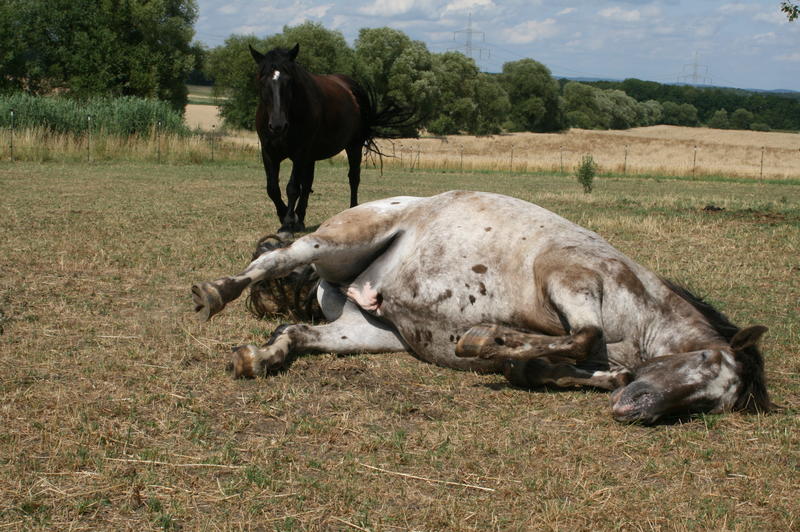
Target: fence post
213,131
561,151
88,138
761,175
12,135
694,161
625,162
511,162
158,140
462,159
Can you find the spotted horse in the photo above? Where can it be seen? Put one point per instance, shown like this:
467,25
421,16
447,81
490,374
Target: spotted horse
489,283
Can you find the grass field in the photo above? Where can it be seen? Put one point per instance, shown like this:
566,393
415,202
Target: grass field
117,413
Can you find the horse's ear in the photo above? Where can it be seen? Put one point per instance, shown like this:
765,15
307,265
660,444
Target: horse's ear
747,337
294,51
256,55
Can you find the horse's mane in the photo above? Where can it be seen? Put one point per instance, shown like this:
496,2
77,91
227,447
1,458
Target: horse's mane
754,396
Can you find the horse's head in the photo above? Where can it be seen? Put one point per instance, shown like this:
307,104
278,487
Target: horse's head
276,69
718,379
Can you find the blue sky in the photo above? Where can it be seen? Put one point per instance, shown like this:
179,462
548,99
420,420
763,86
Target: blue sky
736,44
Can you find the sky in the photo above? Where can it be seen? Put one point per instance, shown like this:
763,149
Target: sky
732,44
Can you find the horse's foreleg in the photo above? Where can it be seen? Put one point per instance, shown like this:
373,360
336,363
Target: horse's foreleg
305,191
354,172
497,341
294,192
272,170
542,371
353,332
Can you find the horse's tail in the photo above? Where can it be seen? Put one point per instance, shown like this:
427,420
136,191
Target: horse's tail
383,118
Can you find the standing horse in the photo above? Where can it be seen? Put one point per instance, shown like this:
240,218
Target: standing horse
484,282
308,117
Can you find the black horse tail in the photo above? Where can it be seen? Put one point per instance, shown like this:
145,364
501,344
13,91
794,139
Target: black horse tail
383,118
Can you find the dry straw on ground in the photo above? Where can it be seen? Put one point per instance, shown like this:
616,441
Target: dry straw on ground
117,413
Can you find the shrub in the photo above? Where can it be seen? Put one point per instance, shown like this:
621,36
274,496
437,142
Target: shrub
124,116
585,172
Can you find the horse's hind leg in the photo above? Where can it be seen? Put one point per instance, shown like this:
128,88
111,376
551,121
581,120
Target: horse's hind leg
576,298
305,190
341,254
354,331
354,172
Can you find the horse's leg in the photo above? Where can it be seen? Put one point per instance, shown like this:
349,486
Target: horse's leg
541,371
305,191
272,168
342,254
294,191
354,154
353,331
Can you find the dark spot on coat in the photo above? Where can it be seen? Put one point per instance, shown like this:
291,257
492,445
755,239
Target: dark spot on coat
487,229
316,246
479,268
471,299
395,203
452,338
344,337
482,289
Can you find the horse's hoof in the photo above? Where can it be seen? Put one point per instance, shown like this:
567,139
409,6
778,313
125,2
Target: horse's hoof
477,342
243,361
207,300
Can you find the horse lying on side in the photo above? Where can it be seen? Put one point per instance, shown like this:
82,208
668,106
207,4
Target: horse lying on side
489,283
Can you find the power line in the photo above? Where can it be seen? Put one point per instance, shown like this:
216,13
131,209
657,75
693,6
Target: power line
468,47
698,74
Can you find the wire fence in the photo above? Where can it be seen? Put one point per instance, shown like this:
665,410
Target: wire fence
548,153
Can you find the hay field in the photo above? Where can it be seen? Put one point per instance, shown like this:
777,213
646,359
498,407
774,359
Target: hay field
117,413
656,150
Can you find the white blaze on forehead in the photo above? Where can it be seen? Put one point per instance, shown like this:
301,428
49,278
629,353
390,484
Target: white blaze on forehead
276,75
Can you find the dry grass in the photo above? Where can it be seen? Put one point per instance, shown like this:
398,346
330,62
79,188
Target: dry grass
40,145
657,150
117,413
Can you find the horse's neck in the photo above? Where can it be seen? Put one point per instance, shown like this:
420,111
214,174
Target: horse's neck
679,332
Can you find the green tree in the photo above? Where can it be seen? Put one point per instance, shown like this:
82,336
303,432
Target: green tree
393,66
469,101
719,120
92,47
741,119
322,51
233,70
791,9
676,114
534,96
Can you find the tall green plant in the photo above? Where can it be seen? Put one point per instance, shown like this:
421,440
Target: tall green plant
122,116
586,172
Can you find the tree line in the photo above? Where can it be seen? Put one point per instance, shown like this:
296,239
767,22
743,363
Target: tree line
87,48
451,95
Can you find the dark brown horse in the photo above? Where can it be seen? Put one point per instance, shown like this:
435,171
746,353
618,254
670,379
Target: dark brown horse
306,118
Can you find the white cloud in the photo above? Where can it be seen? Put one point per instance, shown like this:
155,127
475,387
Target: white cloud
566,11
388,8
617,13
467,5
773,17
765,38
736,7
229,9
532,30
793,57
